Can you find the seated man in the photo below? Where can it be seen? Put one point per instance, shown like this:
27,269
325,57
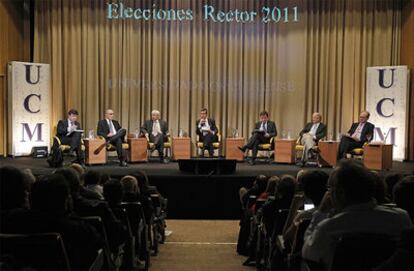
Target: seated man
207,131
311,134
263,131
114,134
350,199
69,132
156,130
360,133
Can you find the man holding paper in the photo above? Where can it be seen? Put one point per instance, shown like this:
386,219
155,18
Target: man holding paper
263,131
359,133
114,134
69,132
207,131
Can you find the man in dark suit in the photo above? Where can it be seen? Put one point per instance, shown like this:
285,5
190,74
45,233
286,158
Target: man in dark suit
207,132
263,131
359,133
114,134
69,132
311,134
156,131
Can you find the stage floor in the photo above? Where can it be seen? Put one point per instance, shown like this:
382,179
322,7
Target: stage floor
192,196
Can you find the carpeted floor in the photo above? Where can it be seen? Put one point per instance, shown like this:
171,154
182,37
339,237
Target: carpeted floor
198,245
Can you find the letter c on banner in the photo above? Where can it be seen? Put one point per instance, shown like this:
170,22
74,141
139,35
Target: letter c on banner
27,101
379,107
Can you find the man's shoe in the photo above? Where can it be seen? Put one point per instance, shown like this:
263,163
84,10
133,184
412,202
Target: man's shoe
123,164
252,162
300,164
241,148
152,149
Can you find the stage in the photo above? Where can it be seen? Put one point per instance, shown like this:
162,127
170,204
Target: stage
190,196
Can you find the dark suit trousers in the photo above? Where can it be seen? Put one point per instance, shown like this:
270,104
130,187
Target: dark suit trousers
117,140
74,141
254,141
346,145
208,143
158,141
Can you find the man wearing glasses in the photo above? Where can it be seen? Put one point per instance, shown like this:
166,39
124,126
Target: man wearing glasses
114,134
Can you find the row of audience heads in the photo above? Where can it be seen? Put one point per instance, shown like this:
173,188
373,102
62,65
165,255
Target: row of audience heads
349,183
53,192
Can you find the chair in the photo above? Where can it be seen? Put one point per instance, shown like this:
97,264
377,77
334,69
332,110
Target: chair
43,251
216,144
357,153
299,149
267,148
139,229
129,259
167,146
362,250
63,147
112,148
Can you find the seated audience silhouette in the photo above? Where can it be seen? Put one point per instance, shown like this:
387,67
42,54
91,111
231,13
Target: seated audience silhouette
131,188
351,194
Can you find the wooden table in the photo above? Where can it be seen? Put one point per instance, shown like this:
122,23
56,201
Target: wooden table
181,148
285,150
138,149
232,150
378,156
95,151
328,150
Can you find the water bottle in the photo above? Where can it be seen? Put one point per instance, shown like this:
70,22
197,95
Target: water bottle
283,134
136,133
91,134
180,133
236,134
289,134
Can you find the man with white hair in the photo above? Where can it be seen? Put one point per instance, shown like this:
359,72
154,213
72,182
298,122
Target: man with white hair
156,130
311,134
114,134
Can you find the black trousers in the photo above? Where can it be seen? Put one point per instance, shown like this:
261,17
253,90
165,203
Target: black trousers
158,141
74,141
117,141
255,141
208,140
346,145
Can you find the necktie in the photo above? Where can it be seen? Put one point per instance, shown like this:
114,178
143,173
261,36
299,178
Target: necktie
111,127
357,132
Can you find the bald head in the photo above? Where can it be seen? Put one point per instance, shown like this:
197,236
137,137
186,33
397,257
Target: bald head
364,116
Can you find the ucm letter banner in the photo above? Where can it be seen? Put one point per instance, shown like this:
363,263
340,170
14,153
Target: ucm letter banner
28,107
387,101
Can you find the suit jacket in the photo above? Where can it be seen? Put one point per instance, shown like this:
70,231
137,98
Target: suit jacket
271,128
147,127
62,128
320,132
212,124
367,130
103,127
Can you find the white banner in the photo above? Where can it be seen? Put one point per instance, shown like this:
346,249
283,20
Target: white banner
28,107
387,101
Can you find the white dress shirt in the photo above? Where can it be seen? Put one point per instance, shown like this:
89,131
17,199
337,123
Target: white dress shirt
156,129
111,127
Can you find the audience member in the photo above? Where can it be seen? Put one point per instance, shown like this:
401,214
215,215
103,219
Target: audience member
113,192
351,195
259,186
404,195
13,188
131,188
391,180
380,188
92,180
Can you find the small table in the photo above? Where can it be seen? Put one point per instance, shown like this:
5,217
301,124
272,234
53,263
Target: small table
285,151
138,149
232,150
328,150
181,148
378,156
95,151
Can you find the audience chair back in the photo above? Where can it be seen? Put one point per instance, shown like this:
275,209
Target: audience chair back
362,251
43,251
